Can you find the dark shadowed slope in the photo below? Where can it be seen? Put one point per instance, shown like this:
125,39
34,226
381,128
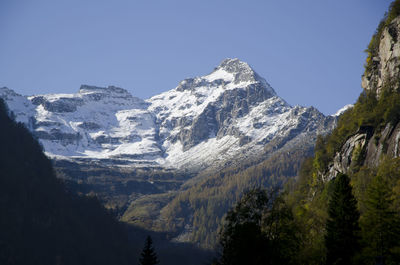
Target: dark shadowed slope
40,223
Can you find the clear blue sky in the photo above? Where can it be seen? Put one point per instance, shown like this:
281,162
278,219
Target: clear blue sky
310,51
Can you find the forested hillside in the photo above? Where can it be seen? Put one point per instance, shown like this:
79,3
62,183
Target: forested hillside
195,214
345,203
40,222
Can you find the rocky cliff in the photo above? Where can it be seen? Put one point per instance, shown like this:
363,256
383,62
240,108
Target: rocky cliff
383,64
373,140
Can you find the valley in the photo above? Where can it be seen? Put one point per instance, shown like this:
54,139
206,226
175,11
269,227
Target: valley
142,156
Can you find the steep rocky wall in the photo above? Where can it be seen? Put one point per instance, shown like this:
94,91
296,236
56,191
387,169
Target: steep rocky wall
386,64
367,146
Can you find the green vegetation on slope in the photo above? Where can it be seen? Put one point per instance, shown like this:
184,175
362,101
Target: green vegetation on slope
194,214
310,195
260,229
319,226
342,228
368,114
319,210
205,203
373,47
379,207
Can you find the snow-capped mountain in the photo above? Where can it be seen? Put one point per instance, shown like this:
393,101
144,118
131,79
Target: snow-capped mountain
204,121
99,123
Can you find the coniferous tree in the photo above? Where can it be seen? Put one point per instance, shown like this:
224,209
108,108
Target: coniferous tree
342,237
259,230
380,223
149,256
241,238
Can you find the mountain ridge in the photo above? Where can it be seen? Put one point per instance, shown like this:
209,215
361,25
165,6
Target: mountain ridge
146,158
232,109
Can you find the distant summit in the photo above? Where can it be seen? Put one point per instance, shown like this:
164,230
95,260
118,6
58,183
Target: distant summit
84,89
234,66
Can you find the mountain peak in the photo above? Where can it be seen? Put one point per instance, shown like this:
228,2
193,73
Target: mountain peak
230,74
234,66
7,91
87,89
234,70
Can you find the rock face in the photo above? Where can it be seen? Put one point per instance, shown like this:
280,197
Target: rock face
366,147
351,153
385,66
369,144
204,122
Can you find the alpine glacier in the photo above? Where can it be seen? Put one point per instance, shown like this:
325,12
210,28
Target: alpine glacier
204,122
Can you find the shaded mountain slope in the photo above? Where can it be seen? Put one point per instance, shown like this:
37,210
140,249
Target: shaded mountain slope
40,222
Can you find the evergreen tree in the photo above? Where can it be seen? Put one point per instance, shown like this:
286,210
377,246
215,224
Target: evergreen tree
149,256
241,238
342,240
380,223
259,230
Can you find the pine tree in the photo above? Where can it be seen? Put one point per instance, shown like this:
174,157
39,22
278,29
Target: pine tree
149,256
342,240
380,223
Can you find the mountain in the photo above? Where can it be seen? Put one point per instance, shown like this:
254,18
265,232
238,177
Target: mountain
153,161
95,123
204,122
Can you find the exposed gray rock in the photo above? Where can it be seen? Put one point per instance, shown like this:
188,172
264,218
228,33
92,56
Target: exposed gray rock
59,136
60,105
386,66
350,155
369,145
38,124
89,125
216,119
203,127
242,71
366,148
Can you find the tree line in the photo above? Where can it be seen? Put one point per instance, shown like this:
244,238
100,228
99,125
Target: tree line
263,229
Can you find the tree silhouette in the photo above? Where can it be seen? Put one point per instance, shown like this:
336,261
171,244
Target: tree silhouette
342,238
41,222
149,256
381,224
259,230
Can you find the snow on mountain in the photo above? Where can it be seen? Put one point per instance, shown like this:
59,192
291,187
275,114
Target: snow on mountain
22,109
204,121
231,112
100,123
342,110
